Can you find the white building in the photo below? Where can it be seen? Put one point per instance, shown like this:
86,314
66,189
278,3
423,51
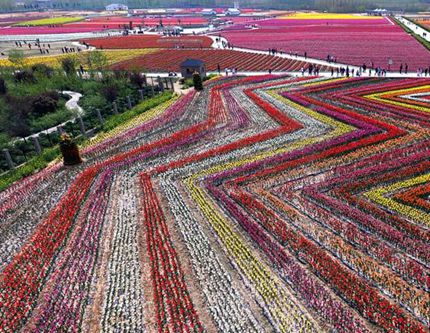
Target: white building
116,7
208,12
232,12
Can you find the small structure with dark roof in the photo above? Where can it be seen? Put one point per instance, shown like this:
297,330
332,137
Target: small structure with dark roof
189,66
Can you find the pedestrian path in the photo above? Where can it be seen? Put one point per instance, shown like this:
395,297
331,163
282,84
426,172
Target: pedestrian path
415,28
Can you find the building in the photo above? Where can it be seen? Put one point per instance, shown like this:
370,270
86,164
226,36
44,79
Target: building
190,66
208,12
116,7
232,12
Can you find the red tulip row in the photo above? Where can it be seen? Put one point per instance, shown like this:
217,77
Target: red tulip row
174,309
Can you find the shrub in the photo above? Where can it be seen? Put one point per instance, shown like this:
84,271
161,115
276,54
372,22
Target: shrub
17,124
43,69
25,76
197,82
3,86
110,92
45,103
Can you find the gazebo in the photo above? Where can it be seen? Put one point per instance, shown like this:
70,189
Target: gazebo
189,66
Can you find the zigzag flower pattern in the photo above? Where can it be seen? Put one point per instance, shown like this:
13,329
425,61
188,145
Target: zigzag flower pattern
261,204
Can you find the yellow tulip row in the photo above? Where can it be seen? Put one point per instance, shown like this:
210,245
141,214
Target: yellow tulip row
380,196
384,97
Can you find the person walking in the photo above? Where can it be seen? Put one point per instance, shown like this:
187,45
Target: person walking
401,68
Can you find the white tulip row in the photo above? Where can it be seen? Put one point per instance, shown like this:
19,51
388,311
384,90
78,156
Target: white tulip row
124,302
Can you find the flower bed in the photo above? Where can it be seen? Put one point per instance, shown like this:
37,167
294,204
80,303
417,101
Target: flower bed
264,203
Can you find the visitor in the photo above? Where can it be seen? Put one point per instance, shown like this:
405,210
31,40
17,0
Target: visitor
332,71
347,71
218,67
406,68
401,68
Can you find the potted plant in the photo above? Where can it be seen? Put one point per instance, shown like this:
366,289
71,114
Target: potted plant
69,150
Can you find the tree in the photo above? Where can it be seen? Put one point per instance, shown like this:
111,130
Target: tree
197,81
97,61
69,66
137,79
17,58
7,5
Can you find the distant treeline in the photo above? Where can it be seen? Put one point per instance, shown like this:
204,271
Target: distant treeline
328,5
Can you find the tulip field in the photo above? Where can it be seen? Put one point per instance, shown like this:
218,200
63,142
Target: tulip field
150,41
354,40
261,204
170,60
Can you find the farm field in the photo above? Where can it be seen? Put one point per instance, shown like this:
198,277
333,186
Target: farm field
170,60
150,41
354,41
261,204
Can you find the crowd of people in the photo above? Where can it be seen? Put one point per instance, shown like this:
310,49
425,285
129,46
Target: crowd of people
43,48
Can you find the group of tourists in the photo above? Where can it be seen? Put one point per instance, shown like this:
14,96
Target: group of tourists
66,49
43,48
311,70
